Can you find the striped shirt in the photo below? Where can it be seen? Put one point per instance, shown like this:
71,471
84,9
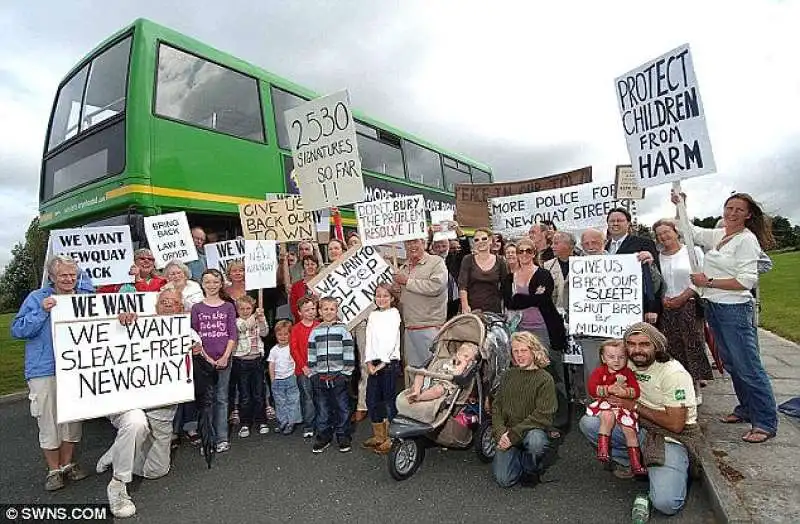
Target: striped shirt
331,350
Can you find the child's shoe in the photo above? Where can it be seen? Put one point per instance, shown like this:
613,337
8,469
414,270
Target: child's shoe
223,446
345,445
263,429
603,445
288,429
320,445
234,418
375,439
308,433
244,432
637,468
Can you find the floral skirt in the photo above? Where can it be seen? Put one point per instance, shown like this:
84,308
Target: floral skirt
685,340
625,418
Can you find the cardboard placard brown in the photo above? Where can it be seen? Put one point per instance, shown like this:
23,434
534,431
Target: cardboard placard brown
472,200
282,220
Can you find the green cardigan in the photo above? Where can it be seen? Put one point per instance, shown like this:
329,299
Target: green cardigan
526,400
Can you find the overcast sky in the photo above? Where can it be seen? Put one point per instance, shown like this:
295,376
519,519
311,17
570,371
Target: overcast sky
528,90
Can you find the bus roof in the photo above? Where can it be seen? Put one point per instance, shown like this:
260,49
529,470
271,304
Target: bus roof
155,31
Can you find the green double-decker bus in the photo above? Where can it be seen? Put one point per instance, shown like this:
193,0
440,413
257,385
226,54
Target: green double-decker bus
153,121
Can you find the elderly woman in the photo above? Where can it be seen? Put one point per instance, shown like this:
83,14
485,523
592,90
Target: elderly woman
300,288
178,274
680,321
32,324
510,254
480,276
729,272
522,412
145,276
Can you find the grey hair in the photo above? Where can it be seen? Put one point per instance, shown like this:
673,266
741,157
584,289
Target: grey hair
141,251
602,233
59,260
566,236
180,265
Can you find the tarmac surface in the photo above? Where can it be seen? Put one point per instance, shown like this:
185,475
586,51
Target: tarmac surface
276,478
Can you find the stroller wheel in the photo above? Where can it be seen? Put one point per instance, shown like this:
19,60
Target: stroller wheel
484,443
405,458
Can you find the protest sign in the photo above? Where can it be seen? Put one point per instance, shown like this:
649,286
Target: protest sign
106,253
352,281
472,199
573,208
663,119
391,220
260,264
325,152
283,220
447,228
321,217
573,354
220,254
605,295
169,238
627,185
103,367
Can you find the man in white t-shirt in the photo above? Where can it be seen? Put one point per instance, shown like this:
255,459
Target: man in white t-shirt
667,401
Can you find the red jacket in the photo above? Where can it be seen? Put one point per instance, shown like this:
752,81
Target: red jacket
298,291
602,376
144,286
298,345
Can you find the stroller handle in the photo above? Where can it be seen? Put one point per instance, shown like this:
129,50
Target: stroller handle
426,373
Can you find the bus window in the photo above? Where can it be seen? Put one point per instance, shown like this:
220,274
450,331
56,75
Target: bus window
195,91
106,87
380,157
424,166
67,112
282,101
453,175
480,177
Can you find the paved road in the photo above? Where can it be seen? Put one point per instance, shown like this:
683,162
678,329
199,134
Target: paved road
275,478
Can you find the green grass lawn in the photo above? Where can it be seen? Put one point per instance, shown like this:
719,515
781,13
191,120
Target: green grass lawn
12,358
779,291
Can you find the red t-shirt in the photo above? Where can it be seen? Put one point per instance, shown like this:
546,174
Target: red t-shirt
143,286
602,376
298,345
298,291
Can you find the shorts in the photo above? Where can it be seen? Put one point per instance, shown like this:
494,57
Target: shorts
42,394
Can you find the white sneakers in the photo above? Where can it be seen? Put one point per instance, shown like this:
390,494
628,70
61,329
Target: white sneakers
118,499
244,432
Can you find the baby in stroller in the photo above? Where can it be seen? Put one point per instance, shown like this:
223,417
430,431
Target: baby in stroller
431,388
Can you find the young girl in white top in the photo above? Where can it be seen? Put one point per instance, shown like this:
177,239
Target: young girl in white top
285,391
247,365
382,358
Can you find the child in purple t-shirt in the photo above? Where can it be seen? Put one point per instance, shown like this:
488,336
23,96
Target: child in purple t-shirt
214,319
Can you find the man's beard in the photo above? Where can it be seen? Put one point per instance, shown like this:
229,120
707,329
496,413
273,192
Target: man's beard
648,362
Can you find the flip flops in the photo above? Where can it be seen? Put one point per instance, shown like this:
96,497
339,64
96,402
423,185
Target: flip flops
732,419
757,436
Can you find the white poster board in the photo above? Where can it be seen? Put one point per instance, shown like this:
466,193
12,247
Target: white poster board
322,136
444,219
391,220
605,295
260,264
220,254
352,280
627,184
103,367
169,238
106,253
663,119
571,208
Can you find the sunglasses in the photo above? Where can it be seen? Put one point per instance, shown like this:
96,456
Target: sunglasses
527,251
149,259
481,239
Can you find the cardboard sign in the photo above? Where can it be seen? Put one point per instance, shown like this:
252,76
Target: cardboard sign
627,185
322,217
283,220
472,199
106,253
260,264
325,152
103,367
605,295
391,220
573,209
444,219
664,121
352,280
169,238
220,254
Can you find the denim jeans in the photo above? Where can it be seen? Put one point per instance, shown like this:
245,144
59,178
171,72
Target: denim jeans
185,418
221,404
250,377
287,400
667,483
307,402
509,465
381,392
736,338
333,407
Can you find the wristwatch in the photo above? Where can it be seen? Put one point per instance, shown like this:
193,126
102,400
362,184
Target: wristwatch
710,283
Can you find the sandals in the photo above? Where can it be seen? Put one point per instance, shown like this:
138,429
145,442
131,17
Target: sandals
732,419
757,436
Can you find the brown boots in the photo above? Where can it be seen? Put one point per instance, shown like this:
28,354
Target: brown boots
379,441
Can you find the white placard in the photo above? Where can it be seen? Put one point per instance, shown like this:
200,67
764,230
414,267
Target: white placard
445,221
169,238
605,295
571,209
260,264
391,220
573,354
352,280
103,367
220,254
663,119
626,184
322,136
106,253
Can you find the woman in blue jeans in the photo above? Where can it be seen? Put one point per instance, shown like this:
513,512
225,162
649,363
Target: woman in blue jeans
729,272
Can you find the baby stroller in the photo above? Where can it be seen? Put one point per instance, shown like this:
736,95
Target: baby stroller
458,419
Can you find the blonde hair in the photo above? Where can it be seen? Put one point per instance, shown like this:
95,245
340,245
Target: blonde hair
541,358
283,324
468,347
618,342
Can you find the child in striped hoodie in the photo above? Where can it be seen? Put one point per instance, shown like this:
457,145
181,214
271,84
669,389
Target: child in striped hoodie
331,360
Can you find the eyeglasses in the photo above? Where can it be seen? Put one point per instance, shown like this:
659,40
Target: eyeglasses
481,239
526,251
149,259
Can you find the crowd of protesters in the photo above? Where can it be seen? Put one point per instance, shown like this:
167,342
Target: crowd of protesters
293,365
